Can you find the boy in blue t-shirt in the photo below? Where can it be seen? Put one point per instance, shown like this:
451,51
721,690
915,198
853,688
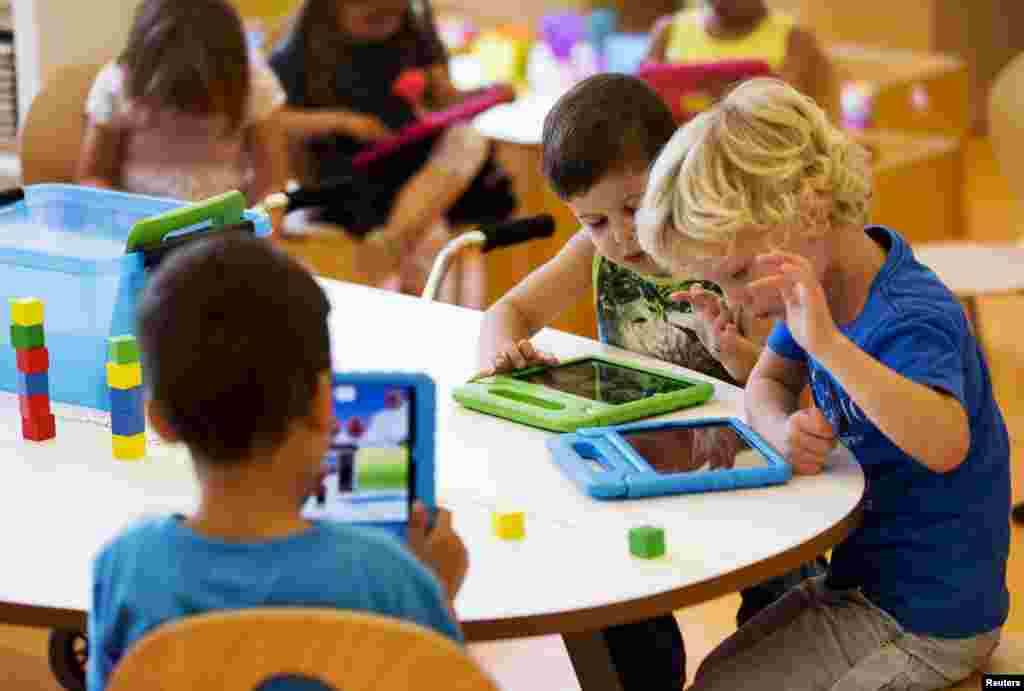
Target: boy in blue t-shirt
235,342
763,196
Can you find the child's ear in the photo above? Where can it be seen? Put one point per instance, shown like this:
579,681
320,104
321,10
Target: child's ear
160,423
322,417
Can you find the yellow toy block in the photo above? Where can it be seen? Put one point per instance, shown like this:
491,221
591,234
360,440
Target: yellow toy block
27,311
129,448
124,376
509,526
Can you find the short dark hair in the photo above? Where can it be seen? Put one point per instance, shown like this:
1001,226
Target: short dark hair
191,56
607,123
234,339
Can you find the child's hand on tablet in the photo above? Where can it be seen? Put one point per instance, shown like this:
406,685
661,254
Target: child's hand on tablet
439,547
517,356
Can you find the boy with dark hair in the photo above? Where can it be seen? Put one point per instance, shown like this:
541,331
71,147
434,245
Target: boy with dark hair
235,343
599,140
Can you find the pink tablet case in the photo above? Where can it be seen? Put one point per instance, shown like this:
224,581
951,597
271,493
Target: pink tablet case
676,82
434,123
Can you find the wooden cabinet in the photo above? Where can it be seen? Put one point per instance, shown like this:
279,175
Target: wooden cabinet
984,33
911,90
917,184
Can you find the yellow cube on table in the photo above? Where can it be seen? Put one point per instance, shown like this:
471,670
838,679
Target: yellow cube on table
510,525
124,376
129,448
27,311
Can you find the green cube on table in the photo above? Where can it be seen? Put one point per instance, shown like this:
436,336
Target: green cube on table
647,542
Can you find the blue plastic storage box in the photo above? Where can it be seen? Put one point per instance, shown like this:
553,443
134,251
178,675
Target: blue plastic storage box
66,245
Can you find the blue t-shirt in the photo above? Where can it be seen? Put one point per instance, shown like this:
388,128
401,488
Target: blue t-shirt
932,547
159,570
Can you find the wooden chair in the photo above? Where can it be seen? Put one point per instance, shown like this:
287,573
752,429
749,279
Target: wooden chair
1008,658
346,651
51,136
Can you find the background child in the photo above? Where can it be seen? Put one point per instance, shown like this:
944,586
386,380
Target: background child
765,197
338,66
185,111
256,414
743,29
603,185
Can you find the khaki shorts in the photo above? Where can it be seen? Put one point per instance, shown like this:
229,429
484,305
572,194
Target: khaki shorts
819,639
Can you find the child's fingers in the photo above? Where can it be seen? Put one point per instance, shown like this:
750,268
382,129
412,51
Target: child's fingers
811,446
442,521
818,424
803,465
527,350
547,357
511,359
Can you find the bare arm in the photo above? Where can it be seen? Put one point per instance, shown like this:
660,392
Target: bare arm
98,163
302,123
538,299
886,396
659,39
269,150
773,394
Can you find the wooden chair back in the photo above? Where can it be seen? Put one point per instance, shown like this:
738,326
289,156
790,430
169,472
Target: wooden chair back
347,651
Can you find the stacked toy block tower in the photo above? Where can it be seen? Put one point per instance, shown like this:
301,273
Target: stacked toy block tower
29,341
127,410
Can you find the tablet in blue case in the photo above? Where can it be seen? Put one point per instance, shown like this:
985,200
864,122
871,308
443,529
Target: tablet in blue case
660,458
381,459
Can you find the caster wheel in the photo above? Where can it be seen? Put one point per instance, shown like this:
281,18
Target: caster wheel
69,653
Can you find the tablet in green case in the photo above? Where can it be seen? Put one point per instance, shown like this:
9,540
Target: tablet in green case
584,392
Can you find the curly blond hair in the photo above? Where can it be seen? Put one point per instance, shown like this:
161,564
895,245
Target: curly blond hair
765,157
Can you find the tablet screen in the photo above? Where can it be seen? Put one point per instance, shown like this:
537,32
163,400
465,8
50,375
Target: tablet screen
601,381
694,449
367,474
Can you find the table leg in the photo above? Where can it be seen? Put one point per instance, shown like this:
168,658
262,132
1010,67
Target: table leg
589,654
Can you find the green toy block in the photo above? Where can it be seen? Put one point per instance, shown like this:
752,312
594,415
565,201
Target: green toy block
647,542
26,337
382,469
123,350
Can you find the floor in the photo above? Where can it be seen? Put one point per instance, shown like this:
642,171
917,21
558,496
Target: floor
541,663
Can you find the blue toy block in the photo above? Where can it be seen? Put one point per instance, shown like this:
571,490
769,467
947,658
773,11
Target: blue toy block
128,424
125,401
33,384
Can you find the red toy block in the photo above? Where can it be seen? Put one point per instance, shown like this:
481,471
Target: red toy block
33,360
39,428
34,406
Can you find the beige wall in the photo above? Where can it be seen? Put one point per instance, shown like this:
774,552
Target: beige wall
52,33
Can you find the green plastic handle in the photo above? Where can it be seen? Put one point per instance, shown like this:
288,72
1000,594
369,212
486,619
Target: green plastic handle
224,209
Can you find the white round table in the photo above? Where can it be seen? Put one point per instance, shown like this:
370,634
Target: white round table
572,574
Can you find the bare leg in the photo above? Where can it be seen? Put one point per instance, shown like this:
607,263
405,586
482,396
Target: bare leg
455,161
